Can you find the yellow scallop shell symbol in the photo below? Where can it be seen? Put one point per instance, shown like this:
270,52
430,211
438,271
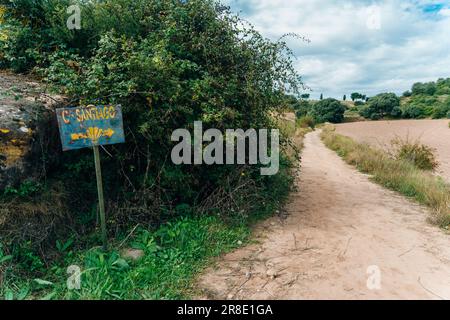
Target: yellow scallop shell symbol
94,133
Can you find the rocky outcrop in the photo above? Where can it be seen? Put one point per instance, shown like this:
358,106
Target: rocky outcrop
27,128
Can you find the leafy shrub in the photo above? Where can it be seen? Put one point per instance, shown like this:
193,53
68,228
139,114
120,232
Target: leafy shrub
428,103
328,110
420,155
302,108
428,88
380,106
426,100
396,112
443,86
413,112
306,122
26,189
291,103
407,94
441,111
168,63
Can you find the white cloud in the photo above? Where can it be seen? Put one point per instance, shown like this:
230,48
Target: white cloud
445,12
363,45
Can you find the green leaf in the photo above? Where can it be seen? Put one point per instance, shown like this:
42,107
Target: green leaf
5,258
9,295
121,263
49,296
23,293
43,282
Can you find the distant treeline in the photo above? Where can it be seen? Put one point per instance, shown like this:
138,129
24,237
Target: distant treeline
424,100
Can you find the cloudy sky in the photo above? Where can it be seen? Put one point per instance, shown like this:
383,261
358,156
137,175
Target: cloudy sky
359,45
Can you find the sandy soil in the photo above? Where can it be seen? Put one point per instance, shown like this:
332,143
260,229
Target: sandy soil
337,227
434,133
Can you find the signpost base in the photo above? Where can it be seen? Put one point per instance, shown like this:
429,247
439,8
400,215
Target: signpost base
101,199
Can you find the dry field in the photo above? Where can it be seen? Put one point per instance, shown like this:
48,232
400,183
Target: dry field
434,133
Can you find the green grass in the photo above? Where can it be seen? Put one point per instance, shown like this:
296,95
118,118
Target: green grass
174,255
395,174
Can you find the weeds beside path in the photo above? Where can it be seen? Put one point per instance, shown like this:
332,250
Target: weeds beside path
394,174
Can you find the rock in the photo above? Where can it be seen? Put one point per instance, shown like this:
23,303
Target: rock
132,254
27,129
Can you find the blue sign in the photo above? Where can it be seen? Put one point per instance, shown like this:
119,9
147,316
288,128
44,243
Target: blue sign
85,127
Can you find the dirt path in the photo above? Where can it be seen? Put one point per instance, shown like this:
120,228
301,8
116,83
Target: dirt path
339,224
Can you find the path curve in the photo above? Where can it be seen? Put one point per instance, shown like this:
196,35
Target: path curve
339,226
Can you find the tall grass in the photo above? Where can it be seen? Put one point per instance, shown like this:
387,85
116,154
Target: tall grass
395,174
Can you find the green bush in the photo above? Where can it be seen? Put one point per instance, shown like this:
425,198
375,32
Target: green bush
33,28
441,111
418,154
168,63
413,112
396,112
380,106
443,87
306,122
328,110
426,100
428,88
407,94
302,108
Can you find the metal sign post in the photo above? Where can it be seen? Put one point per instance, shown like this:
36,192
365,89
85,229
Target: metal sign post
91,127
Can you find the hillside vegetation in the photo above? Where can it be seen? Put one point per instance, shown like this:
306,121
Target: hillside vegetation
424,100
168,63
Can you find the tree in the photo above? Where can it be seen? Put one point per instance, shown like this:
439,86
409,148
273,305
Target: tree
328,110
428,88
355,96
291,102
321,96
305,96
443,86
344,98
407,94
382,105
412,111
302,108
